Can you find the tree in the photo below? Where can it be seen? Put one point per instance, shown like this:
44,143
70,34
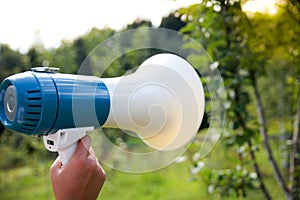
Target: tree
10,61
172,22
218,25
33,58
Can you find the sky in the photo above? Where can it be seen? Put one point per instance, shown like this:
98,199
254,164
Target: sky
23,22
263,6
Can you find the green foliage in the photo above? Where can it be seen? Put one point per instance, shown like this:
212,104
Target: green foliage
262,50
235,181
10,61
21,150
249,51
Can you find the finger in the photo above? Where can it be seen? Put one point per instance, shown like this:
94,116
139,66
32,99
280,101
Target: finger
92,155
95,159
101,173
83,147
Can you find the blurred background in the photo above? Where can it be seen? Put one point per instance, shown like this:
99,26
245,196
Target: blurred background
254,44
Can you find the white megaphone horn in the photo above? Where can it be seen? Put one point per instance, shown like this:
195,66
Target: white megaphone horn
162,102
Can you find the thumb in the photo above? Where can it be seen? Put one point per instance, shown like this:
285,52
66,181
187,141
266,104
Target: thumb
55,167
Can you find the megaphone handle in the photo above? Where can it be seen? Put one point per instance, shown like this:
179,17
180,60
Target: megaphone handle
66,154
65,141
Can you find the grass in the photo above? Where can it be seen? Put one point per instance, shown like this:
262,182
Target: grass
30,182
171,183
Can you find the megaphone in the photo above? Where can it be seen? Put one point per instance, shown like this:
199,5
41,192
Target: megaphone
162,102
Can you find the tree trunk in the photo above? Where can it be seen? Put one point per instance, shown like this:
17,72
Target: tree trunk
252,153
257,170
295,156
264,134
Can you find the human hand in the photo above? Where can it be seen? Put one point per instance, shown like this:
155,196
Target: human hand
81,178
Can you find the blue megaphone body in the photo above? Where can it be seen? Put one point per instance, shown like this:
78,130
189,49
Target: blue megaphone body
41,102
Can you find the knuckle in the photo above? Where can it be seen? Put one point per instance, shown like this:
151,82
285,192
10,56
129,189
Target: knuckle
97,169
103,175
